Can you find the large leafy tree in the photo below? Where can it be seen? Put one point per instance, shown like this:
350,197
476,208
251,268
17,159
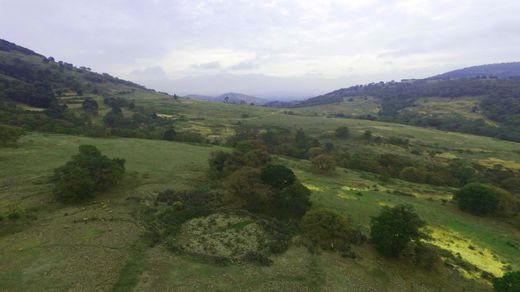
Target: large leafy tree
278,176
291,203
394,228
87,173
326,228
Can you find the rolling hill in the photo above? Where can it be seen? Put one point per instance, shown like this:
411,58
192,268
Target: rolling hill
501,70
193,198
492,105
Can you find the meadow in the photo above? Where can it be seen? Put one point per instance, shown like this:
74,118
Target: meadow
64,247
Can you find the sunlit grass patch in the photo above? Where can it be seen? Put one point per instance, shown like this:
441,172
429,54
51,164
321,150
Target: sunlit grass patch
457,244
446,155
313,188
492,161
385,204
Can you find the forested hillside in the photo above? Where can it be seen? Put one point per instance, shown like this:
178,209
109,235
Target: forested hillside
499,102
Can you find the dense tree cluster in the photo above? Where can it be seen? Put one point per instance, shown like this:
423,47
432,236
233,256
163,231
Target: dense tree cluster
258,186
86,174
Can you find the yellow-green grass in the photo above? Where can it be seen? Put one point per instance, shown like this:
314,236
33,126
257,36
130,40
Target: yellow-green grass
466,107
355,106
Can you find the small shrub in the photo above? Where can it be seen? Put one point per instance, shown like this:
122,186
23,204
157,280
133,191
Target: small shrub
9,135
342,132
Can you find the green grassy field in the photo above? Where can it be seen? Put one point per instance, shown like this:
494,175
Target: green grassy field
66,247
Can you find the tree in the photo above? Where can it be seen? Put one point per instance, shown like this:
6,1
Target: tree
291,203
278,176
394,228
217,161
478,199
324,162
510,282
90,105
247,189
87,173
169,135
326,228
342,132
9,135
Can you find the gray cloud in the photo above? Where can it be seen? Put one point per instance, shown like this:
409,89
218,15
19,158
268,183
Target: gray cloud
279,43
244,66
208,65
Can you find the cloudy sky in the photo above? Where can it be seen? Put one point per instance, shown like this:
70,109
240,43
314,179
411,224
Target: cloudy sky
270,48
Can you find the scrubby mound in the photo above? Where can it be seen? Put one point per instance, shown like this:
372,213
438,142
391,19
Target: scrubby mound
225,238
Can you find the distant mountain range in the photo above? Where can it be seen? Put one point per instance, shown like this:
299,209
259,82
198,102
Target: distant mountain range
230,97
502,70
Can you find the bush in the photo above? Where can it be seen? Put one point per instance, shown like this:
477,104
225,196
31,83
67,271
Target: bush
277,176
291,203
342,132
413,174
169,135
9,135
510,282
478,199
247,189
85,174
326,228
394,228
324,163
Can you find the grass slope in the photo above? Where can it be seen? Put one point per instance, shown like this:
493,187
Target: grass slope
97,246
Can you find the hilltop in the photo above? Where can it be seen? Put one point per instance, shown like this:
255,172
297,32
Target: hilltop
501,70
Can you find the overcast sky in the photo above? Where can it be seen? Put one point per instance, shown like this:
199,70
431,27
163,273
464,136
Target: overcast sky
286,48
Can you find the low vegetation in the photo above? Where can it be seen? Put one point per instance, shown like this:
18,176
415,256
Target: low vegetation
86,174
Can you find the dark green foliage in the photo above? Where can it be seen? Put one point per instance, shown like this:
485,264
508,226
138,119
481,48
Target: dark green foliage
223,163
87,173
326,228
394,228
247,190
9,135
324,163
170,135
478,199
510,282
90,105
277,176
291,203
171,209
342,132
